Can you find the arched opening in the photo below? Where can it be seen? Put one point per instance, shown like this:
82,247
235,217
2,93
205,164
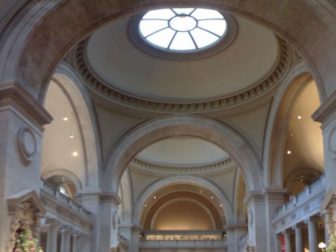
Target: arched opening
69,143
148,133
296,134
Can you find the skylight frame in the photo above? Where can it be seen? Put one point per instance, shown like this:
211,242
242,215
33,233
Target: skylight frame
174,22
138,41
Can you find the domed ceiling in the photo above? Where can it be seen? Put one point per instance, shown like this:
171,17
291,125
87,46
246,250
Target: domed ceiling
182,151
116,67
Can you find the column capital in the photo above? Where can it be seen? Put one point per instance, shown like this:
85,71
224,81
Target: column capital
112,198
13,95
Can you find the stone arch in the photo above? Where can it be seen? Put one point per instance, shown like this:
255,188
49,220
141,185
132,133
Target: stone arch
175,180
80,101
27,43
157,129
65,173
295,82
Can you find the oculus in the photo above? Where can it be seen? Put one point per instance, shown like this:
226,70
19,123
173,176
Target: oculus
182,30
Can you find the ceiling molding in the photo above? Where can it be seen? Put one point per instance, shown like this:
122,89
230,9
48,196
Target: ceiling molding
222,165
243,96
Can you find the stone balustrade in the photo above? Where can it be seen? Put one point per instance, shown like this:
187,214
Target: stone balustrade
206,239
66,210
300,207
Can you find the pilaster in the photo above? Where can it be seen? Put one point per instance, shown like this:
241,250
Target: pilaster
21,127
256,221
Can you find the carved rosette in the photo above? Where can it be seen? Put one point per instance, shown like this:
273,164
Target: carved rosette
26,142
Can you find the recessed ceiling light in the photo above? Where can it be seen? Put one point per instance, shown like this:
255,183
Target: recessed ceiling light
289,152
65,118
71,136
75,154
299,117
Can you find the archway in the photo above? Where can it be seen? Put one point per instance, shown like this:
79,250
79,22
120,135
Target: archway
282,120
69,87
185,180
154,130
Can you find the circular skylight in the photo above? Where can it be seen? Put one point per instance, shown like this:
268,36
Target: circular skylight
182,29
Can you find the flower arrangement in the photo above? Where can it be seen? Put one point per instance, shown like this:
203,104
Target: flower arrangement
25,242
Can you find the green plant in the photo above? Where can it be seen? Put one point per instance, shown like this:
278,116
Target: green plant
332,245
25,242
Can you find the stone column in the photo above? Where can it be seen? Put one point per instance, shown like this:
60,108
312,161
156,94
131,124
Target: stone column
107,223
233,234
312,235
257,221
65,239
298,238
135,239
90,200
288,242
75,241
21,127
52,230
274,198
326,115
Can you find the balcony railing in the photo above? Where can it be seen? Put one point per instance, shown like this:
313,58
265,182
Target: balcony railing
65,209
183,239
183,235
300,207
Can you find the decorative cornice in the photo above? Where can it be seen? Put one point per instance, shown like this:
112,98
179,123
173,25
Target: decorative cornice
14,95
206,168
246,95
13,20
325,113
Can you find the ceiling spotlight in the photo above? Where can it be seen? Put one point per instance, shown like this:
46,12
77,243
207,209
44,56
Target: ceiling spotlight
289,152
299,117
154,197
71,136
65,118
75,154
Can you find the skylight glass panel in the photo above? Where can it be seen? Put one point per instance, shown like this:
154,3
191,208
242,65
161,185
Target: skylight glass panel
159,14
215,26
203,38
150,26
182,29
162,38
182,41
